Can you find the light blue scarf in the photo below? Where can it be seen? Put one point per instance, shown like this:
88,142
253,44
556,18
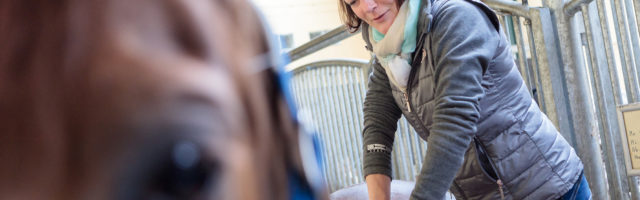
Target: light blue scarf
394,49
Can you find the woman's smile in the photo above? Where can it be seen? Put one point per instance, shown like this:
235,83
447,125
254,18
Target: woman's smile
378,13
381,17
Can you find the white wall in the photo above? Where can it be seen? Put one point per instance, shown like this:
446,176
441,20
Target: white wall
301,17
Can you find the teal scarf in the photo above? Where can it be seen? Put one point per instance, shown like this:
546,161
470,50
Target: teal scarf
394,49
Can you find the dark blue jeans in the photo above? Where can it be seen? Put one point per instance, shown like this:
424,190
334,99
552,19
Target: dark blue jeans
579,191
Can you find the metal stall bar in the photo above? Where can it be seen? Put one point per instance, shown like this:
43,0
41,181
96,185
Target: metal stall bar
408,137
621,53
510,34
323,128
347,135
327,110
636,11
343,127
348,138
314,103
525,69
336,125
605,98
360,93
400,156
622,32
559,36
359,88
503,25
633,73
338,118
538,93
313,87
549,62
397,157
354,123
618,98
302,98
339,122
414,149
606,106
350,121
363,79
570,9
635,44
590,155
602,13
581,102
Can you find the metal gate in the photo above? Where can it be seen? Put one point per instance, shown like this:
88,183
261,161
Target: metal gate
332,93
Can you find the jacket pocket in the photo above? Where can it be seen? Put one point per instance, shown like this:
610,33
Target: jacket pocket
473,182
484,162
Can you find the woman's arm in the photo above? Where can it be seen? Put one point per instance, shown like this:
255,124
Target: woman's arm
378,187
381,116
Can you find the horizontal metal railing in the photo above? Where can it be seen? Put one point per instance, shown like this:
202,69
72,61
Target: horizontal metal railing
337,34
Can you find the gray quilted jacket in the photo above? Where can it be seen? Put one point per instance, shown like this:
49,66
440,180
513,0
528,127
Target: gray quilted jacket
486,136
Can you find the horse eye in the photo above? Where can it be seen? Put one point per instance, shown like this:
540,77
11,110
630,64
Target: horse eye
185,174
177,171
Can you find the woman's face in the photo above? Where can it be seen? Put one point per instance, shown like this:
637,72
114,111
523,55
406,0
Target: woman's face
377,13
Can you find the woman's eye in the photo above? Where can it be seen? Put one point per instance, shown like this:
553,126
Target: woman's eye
352,3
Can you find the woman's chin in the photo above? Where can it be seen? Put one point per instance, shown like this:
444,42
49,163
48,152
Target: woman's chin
382,26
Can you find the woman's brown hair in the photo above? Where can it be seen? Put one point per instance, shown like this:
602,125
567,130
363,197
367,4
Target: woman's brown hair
349,18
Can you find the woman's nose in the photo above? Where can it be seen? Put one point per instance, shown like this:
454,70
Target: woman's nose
370,5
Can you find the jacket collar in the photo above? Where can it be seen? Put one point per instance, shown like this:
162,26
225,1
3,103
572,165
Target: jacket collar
424,21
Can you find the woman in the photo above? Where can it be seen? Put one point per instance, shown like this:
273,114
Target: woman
446,65
142,99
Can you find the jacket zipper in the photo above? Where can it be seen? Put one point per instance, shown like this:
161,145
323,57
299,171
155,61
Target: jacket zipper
406,93
406,98
499,182
493,167
412,73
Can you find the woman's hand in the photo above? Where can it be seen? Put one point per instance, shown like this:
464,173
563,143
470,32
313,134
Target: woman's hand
378,186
